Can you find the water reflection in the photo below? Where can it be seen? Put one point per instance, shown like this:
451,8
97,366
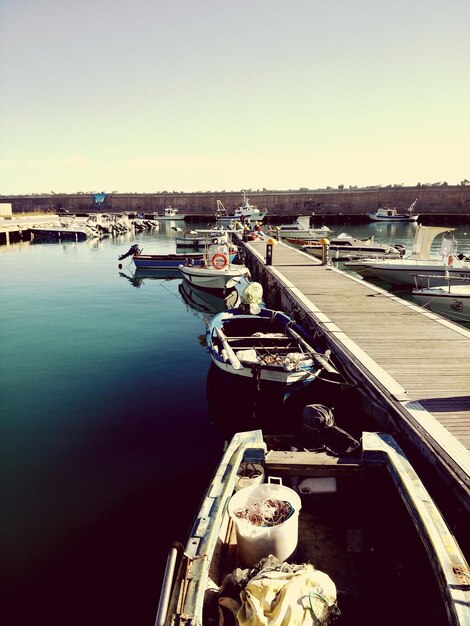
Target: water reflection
208,302
236,404
138,277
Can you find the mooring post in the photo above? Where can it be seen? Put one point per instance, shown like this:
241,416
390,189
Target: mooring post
325,259
269,251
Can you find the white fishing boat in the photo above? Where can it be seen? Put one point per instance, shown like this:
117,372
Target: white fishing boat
245,213
403,271
385,214
451,300
286,534
170,213
200,238
345,246
300,229
214,271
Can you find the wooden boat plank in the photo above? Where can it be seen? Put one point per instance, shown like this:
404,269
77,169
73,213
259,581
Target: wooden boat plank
310,463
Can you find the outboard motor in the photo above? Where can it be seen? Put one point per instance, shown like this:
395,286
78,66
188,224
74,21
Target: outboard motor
401,248
320,432
131,252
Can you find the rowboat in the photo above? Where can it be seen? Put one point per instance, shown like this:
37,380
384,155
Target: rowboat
267,346
288,535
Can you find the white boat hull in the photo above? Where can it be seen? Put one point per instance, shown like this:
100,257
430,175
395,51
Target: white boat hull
451,302
404,271
398,218
210,278
345,252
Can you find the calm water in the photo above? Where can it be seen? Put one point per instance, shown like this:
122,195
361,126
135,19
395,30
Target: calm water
106,397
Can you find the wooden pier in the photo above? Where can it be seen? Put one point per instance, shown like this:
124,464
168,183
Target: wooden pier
411,366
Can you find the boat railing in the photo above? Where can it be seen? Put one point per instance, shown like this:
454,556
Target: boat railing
426,281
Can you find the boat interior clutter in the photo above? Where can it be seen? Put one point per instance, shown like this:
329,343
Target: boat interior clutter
292,531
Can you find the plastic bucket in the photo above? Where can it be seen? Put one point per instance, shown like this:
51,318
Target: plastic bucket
257,542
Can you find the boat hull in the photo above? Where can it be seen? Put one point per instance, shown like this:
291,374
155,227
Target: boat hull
59,234
165,261
452,303
210,278
404,272
395,218
350,252
264,347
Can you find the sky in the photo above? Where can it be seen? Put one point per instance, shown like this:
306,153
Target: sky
223,95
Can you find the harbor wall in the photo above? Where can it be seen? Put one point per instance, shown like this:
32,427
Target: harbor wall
450,200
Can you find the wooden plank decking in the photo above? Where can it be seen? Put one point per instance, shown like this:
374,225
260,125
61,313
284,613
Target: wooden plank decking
416,358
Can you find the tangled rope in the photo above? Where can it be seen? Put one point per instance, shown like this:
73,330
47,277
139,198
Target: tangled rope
266,512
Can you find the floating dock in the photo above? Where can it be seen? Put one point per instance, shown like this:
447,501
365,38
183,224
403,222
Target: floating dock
411,366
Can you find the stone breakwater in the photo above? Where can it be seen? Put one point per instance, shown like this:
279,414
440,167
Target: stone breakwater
443,200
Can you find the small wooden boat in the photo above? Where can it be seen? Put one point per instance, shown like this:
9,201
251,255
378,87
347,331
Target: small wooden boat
267,345
286,535
170,261
385,214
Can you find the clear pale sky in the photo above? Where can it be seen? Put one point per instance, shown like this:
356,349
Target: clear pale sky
188,95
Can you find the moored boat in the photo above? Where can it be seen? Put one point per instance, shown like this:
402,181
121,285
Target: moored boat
300,229
386,214
200,238
451,301
214,271
266,345
403,271
287,531
63,232
245,213
170,213
345,246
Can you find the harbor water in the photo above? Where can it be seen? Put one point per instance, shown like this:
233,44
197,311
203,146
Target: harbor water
112,423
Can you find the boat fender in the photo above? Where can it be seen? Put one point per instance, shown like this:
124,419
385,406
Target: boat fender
219,261
450,260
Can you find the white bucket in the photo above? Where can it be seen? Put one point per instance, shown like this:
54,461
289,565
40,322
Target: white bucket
248,475
257,542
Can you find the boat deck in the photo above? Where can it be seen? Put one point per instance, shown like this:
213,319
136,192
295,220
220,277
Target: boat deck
414,361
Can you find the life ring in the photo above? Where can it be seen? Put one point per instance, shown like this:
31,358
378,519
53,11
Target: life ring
219,261
450,260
